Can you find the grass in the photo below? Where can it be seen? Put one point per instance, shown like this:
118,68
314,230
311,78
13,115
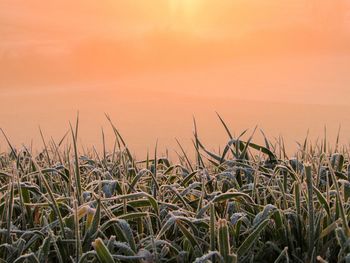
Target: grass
248,203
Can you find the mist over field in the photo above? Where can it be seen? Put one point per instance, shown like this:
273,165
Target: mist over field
153,131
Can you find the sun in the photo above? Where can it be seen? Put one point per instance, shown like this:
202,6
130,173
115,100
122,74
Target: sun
185,7
183,14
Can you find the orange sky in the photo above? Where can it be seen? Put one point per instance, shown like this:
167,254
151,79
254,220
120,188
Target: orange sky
123,36
205,51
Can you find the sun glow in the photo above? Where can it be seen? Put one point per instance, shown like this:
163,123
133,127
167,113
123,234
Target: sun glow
187,6
183,13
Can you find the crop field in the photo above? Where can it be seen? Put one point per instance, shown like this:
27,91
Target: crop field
246,203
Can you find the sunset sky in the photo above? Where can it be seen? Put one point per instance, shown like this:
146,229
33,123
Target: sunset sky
154,64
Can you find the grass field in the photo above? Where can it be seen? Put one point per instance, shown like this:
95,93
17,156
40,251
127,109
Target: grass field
248,203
